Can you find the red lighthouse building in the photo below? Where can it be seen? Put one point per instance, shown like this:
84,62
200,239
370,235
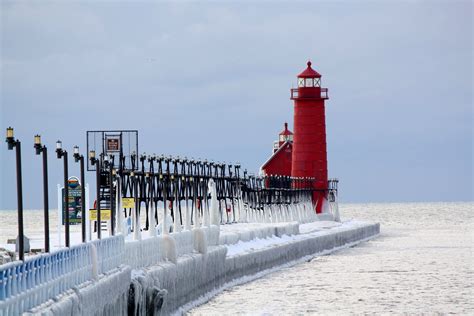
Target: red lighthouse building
309,158
280,161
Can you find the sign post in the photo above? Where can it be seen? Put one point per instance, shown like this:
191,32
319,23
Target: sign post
73,207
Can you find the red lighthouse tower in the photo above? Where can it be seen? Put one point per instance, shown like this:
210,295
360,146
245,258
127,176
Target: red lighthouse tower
309,157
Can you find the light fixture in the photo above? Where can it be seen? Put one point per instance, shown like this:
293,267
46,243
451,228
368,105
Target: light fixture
92,154
59,144
76,150
10,132
37,144
37,140
9,139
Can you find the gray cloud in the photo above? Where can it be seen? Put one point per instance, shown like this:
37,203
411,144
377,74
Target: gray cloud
212,80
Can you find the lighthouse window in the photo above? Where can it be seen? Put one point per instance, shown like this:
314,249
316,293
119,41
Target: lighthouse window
300,82
317,82
309,82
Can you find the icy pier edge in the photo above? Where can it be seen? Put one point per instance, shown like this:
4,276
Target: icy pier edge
210,274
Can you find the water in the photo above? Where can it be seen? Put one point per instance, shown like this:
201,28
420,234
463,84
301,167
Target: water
422,263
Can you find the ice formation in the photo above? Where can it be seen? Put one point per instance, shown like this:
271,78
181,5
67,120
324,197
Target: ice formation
162,274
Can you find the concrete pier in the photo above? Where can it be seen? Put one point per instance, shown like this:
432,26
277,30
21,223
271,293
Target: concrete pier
140,278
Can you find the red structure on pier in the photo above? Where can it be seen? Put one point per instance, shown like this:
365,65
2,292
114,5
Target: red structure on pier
280,162
308,146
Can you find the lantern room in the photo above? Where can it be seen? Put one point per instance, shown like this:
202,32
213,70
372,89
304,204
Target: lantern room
285,136
309,85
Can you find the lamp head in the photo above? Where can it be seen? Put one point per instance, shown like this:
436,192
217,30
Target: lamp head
76,154
10,138
59,149
92,157
37,144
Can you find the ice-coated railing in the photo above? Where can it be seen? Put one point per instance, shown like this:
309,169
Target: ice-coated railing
142,253
26,284
110,252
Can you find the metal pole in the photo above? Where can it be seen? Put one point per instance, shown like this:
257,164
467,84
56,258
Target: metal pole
83,200
98,198
19,187
112,217
46,199
66,200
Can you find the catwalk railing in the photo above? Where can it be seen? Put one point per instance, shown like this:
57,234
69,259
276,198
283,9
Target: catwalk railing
176,186
26,284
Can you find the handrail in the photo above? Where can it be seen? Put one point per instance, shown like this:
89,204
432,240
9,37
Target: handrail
295,94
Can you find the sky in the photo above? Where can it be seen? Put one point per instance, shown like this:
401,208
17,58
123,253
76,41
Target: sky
213,79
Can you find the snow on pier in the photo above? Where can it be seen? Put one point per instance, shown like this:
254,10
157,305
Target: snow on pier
119,277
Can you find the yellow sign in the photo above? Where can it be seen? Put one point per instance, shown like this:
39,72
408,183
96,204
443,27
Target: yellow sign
128,202
104,215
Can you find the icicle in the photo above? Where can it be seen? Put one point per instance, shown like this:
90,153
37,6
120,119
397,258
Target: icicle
214,203
196,217
164,222
94,260
152,219
170,248
176,223
187,216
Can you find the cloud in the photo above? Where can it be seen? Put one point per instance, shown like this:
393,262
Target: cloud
216,76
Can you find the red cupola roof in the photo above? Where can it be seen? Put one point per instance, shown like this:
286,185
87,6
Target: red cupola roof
286,131
309,72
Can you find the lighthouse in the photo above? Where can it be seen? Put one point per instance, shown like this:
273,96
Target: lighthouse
279,162
309,155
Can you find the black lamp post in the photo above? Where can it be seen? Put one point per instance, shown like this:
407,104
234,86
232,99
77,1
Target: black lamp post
96,162
80,158
61,153
109,166
42,149
19,187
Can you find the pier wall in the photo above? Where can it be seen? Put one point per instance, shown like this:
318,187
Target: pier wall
194,276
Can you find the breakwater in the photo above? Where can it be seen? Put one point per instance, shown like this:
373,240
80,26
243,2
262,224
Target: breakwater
164,274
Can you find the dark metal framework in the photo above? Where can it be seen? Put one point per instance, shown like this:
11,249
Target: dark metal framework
97,142
172,181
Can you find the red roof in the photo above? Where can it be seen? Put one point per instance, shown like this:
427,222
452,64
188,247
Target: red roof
282,160
309,72
286,131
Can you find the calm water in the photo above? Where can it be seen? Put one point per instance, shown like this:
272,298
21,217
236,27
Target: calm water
422,263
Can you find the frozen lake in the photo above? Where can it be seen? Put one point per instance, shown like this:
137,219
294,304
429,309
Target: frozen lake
422,263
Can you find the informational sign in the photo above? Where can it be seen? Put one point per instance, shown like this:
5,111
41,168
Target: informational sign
105,215
128,202
74,203
112,144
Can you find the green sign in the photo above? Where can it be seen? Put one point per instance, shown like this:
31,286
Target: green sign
74,207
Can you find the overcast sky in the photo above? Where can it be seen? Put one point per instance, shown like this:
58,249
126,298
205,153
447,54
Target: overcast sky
206,79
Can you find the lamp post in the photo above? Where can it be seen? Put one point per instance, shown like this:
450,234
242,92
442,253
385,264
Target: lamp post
80,158
11,142
61,153
42,149
96,162
109,164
